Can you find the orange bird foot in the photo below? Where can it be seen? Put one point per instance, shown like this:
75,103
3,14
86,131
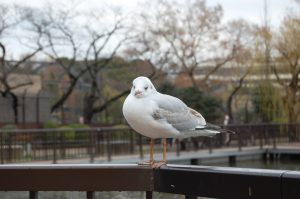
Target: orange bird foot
146,163
158,164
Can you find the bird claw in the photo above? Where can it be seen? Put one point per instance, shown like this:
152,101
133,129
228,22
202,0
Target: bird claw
146,163
158,164
152,163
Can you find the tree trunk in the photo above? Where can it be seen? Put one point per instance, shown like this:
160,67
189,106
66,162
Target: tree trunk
89,101
15,104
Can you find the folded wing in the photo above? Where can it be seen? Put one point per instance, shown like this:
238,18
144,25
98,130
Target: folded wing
176,113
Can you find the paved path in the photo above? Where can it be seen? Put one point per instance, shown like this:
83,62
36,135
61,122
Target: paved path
185,157
172,157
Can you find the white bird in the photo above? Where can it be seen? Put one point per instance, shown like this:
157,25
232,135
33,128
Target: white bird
156,115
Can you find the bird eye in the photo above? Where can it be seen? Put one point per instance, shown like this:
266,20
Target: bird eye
146,87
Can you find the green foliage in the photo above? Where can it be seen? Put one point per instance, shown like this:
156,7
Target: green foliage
78,126
50,124
9,127
80,135
208,106
68,133
268,103
5,132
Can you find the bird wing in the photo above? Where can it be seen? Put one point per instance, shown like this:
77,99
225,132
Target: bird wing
176,113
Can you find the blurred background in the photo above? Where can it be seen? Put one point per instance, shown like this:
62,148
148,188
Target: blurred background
66,62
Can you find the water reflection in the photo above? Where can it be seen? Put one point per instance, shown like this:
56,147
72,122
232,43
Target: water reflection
280,164
81,195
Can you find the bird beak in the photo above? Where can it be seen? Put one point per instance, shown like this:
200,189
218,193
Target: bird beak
137,92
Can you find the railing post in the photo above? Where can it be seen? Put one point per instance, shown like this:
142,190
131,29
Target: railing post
33,195
90,195
141,146
149,194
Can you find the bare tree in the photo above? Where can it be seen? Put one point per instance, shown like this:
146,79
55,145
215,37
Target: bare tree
8,21
287,63
242,37
187,35
89,41
60,38
99,54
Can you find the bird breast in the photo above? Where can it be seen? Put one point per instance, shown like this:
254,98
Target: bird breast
138,113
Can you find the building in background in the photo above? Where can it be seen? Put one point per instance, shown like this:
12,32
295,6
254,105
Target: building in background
33,102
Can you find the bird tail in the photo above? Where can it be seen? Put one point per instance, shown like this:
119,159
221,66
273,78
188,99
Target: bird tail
213,129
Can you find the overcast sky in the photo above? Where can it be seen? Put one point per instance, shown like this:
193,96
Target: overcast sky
251,10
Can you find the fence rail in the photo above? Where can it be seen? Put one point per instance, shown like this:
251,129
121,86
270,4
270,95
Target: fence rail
191,181
24,145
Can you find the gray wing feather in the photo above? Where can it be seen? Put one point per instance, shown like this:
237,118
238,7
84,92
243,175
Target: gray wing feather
177,113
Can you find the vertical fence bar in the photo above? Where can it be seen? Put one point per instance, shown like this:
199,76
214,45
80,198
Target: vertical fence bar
240,142
108,146
274,133
9,146
141,146
266,134
90,195
92,146
33,195
210,148
62,136
54,147
177,147
149,194
1,147
131,143
261,140
297,133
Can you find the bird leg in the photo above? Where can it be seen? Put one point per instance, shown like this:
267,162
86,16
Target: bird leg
164,161
151,161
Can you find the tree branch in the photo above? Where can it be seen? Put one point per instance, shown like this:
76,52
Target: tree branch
110,101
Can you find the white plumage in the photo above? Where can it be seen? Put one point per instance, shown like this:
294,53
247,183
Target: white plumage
157,115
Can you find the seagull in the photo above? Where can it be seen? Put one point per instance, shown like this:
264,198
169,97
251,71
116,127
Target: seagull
160,116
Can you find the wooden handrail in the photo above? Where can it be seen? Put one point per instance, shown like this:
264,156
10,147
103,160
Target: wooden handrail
191,181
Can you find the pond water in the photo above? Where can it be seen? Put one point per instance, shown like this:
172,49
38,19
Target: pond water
283,164
279,164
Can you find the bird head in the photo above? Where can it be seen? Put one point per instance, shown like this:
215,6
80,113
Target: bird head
142,87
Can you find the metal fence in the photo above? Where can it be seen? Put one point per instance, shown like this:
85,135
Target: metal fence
25,145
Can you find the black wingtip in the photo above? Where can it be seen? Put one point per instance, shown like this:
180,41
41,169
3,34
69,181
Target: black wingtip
215,128
227,131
